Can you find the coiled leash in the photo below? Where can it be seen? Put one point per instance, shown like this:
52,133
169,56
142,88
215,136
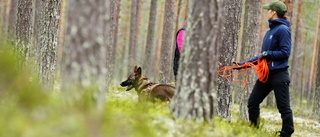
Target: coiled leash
261,68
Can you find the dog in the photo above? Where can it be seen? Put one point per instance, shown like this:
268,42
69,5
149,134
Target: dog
147,90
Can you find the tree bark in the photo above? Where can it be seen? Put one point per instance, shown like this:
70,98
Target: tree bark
227,54
84,58
167,39
313,62
46,39
148,60
113,39
296,60
249,43
194,98
316,108
289,4
12,18
24,30
134,34
159,40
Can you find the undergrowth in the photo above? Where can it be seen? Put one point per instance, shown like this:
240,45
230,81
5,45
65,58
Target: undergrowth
27,110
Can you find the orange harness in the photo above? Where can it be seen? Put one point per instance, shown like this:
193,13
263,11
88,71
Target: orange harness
261,69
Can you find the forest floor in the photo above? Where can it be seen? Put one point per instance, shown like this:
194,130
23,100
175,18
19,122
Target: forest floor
305,126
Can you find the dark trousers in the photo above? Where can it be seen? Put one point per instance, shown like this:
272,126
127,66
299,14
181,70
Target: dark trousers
279,82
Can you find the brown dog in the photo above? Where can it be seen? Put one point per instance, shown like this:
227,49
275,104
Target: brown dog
147,90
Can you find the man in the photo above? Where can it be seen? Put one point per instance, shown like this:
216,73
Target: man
276,49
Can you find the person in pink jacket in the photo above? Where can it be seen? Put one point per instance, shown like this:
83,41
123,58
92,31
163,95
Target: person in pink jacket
179,44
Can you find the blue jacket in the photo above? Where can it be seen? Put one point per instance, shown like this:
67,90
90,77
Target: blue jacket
277,44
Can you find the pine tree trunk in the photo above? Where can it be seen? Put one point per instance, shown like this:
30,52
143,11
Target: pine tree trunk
113,39
134,34
289,4
84,58
24,30
178,15
46,39
12,18
316,99
313,63
194,96
227,54
296,61
249,43
159,40
167,39
148,60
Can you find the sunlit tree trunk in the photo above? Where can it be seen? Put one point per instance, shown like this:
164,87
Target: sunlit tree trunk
134,34
148,59
227,54
84,58
46,39
194,96
249,43
167,39
24,30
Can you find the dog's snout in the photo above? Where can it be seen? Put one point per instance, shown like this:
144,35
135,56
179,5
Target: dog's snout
124,83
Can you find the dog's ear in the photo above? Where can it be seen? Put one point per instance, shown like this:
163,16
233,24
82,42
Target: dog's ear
135,69
139,71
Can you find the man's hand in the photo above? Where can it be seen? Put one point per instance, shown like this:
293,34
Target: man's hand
237,65
263,54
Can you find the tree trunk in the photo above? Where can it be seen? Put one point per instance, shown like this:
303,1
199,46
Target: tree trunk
113,39
84,61
12,18
316,99
9,13
167,39
289,4
46,37
194,98
159,40
24,30
178,15
227,54
134,34
296,61
313,62
249,43
148,60
123,42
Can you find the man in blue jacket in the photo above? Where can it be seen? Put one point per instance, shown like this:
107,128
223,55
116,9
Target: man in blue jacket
276,49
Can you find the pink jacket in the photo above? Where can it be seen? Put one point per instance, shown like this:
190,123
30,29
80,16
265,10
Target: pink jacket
180,38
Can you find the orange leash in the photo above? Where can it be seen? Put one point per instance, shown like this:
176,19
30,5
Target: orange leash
261,69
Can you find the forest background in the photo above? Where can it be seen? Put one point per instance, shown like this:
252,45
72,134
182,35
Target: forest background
62,62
